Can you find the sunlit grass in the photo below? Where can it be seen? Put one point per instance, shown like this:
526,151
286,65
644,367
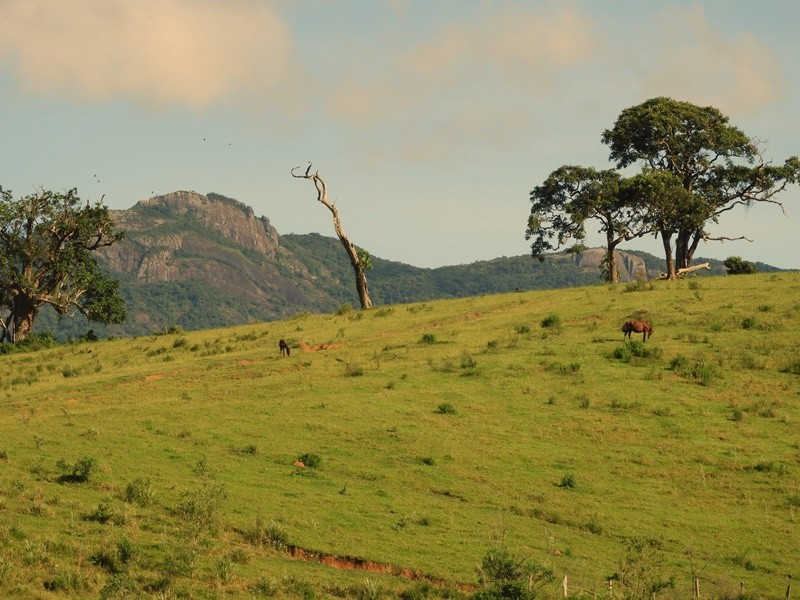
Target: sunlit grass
439,429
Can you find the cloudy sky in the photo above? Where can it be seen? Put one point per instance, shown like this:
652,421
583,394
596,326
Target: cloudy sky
430,120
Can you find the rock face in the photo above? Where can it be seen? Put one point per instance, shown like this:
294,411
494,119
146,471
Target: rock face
629,267
155,238
206,246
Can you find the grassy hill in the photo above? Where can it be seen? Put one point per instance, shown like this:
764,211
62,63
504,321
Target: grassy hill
431,433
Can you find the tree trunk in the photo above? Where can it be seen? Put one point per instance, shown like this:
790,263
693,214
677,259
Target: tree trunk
24,313
6,328
611,266
682,249
352,252
696,237
666,240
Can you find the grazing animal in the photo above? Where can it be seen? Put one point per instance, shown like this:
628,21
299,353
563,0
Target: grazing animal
284,348
642,327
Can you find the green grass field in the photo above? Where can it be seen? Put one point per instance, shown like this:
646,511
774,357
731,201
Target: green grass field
163,466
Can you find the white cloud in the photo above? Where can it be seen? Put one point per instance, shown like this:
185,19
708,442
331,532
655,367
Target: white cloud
694,61
185,53
472,81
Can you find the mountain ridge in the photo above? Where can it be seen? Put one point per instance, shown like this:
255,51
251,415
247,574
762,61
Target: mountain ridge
199,261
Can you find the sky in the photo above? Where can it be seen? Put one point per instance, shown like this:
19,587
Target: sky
429,120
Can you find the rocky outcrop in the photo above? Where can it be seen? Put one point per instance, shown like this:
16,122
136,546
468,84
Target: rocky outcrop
629,267
163,229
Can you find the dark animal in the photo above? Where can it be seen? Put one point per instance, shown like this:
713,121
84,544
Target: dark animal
637,327
284,348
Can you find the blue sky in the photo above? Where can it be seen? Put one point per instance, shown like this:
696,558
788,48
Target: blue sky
430,120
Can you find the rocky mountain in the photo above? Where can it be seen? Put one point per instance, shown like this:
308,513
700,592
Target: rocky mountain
200,261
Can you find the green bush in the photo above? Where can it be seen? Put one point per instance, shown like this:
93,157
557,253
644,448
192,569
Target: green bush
567,481
507,577
734,265
698,370
139,491
102,514
32,343
353,370
311,460
79,472
427,338
636,349
266,534
552,321
445,408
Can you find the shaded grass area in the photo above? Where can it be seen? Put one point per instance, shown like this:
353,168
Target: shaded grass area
167,464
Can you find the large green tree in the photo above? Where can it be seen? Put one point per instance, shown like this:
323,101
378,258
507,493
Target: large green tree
716,164
571,196
47,241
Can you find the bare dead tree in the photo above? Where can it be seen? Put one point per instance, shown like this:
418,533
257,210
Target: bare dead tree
358,260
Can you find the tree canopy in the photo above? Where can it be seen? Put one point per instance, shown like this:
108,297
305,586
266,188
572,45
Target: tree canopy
46,245
694,167
569,197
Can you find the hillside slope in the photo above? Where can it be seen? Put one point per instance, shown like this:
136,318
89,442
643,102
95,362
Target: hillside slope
433,432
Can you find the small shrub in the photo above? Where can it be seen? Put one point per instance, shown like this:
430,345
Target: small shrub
636,349
344,309
793,368
224,569
139,491
102,514
199,507
567,481
427,338
311,460
698,370
353,370
748,323
638,286
522,329
445,408
593,526
552,321
66,581
265,587
299,588
428,460
371,590
467,362
270,535
79,472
